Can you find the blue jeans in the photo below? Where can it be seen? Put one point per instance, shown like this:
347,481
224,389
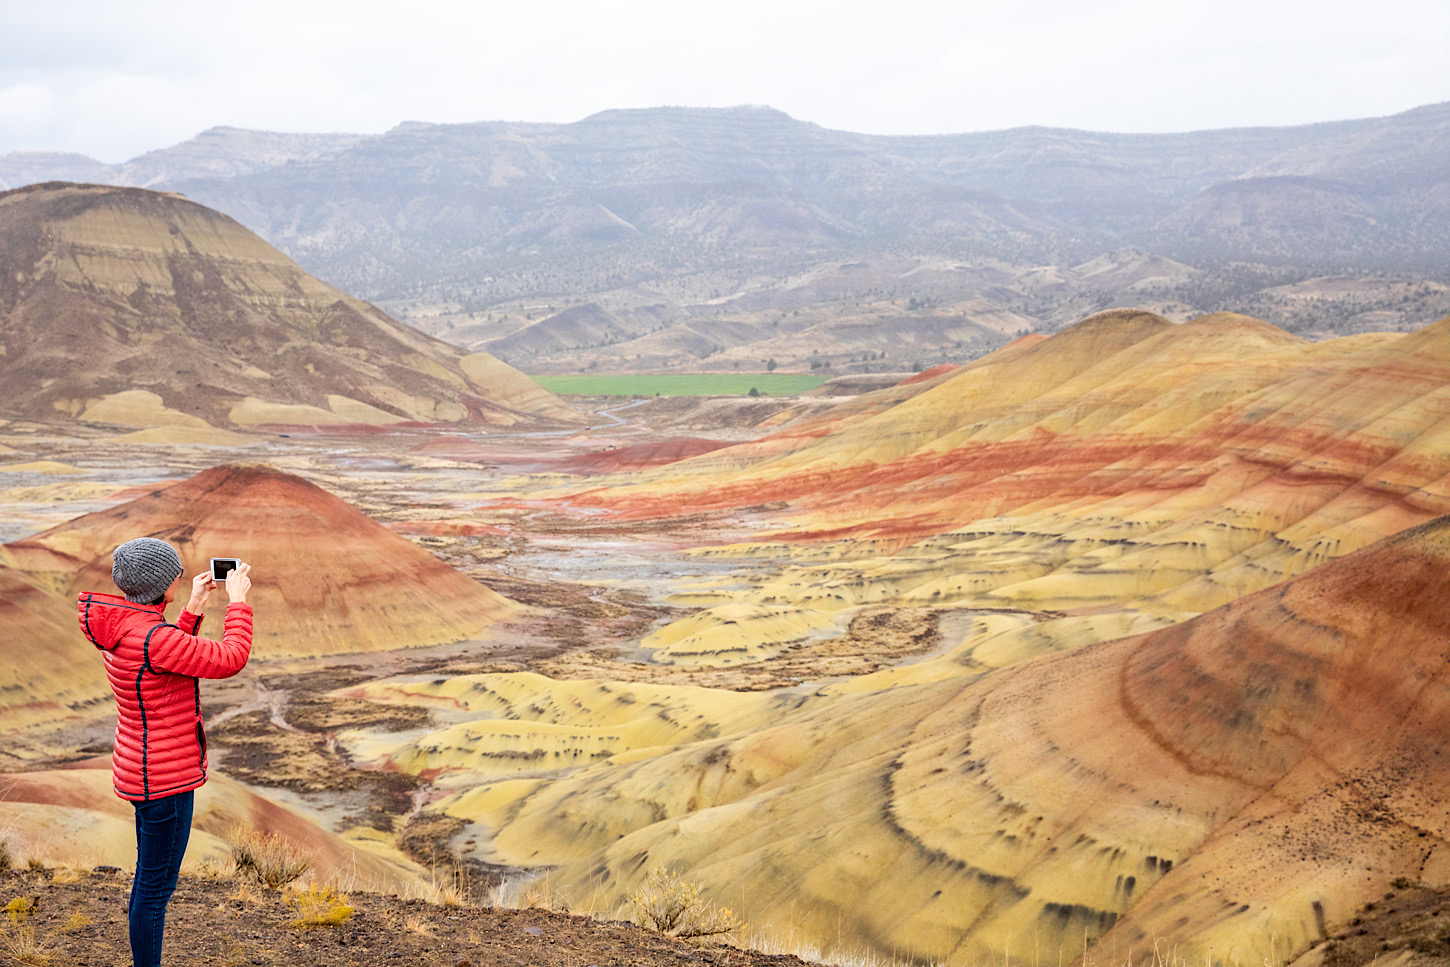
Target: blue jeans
162,828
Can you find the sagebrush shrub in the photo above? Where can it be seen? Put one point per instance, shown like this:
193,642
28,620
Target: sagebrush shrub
671,905
268,857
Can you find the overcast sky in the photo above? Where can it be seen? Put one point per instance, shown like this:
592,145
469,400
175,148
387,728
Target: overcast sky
114,78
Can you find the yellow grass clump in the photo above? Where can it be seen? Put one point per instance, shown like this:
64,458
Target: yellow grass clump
319,906
19,937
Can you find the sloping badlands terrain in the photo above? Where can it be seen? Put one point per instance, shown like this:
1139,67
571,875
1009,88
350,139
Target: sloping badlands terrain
1130,634
143,309
1229,782
333,581
1075,760
1126,459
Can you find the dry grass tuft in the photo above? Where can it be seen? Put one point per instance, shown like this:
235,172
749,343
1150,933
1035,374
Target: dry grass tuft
6,860
213,870
18,936
542,894
67,874
246,893
671,905
453,886
76,921
319,906
236,952
266,856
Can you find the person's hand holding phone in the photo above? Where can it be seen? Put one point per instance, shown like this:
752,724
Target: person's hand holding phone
239,582
201,588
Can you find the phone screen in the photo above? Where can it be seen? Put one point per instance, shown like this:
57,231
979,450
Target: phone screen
222,566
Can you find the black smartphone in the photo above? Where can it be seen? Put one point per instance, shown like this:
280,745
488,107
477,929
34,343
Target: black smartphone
222,566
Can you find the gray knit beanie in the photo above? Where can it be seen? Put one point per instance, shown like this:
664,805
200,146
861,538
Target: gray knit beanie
144,568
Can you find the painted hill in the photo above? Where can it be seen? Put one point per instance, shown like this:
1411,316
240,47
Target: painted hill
1123,460
1234,782
1143,735
328,579
132,307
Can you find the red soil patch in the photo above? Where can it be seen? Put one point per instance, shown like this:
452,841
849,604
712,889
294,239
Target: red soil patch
446,528
927,374
640,456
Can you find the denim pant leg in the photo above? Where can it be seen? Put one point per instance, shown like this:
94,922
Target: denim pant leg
163,827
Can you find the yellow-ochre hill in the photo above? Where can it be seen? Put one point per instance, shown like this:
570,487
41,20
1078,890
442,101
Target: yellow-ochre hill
1137,728
142,309
1125,459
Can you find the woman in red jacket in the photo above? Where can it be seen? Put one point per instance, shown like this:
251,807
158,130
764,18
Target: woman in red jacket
160,751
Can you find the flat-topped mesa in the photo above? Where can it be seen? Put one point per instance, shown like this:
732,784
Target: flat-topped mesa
327,579
133,307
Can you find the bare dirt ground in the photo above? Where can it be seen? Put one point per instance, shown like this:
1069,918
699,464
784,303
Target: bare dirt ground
219,922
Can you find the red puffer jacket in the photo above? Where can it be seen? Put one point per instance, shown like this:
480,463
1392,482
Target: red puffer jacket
153,667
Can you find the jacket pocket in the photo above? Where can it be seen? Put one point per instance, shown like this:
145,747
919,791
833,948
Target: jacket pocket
200,744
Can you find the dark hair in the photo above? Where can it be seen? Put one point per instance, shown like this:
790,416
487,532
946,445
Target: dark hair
160,599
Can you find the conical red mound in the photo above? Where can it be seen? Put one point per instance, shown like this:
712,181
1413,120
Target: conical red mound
327,579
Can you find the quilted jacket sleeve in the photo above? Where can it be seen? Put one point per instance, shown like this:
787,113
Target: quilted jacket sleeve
174,650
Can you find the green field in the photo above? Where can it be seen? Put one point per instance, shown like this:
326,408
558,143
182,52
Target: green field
679,384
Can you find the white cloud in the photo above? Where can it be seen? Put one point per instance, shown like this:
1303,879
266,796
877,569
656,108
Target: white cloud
26,104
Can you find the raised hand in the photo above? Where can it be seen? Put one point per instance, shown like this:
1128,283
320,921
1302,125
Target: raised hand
201,588
238,583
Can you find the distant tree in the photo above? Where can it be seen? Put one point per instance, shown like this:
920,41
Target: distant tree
753,392
770,366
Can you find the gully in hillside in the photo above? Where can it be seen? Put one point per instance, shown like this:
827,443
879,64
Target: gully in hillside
155,668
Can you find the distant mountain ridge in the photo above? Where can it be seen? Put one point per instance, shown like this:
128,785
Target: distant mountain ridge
361,208
219,152
682,233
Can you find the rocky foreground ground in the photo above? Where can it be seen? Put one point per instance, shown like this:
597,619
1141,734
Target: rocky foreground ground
54,918
80,919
